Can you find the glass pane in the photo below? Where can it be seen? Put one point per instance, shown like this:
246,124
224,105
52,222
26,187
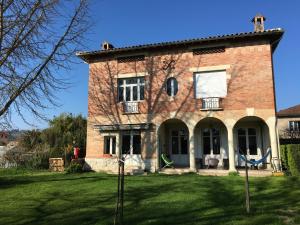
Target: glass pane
172,86
120,82
184,144
125,144
106,145
241,131
175,86
168,87
131,81
136,144
216,145
242,145
251,131
142,92
128,94
215,132
174,133
135,93
113,145
252,145
206,145
142,80
206,132
120,94
175,145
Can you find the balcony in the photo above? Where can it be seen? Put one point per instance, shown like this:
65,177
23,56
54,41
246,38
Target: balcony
131,107
211,104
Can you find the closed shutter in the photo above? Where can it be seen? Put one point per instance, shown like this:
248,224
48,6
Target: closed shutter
210,84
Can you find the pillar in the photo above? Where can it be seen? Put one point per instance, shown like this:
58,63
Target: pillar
231,149
192,150
274,144
157,148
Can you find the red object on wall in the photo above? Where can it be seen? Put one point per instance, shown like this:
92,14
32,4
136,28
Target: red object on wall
76,152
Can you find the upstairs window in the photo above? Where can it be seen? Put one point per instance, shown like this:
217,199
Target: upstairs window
172,86
210,84
294,126
131,89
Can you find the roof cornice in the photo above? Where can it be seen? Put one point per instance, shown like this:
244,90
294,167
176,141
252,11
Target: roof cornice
273,35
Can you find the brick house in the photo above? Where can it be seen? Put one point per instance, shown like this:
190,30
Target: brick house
194,100
289,125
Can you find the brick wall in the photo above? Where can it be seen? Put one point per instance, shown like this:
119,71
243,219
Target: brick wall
250,85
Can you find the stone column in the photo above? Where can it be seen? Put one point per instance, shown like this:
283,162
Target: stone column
192,150
274,142
157,148
231,149
118,144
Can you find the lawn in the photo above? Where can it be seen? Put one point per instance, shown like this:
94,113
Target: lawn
89,198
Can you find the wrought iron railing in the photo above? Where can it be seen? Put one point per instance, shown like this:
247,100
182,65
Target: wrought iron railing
211,103
131,107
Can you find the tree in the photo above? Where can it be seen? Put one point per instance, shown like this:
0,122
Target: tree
38,39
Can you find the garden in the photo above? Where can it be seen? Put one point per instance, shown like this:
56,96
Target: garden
42,197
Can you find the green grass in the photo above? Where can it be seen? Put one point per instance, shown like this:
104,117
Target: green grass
52,198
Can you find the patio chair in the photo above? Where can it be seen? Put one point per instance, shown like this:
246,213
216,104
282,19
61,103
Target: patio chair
168,162
212,163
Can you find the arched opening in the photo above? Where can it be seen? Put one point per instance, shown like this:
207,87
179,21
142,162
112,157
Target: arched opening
251,137
174,142
211,144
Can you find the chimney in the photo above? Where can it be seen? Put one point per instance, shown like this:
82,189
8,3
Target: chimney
258,22
107,46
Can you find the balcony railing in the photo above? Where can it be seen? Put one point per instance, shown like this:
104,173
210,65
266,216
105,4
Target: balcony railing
131,107
211,104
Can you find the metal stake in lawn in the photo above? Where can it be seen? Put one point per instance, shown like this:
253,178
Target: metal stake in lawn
247,186
118,220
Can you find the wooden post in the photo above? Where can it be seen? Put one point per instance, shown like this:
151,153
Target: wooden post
122,191
247,186
118,220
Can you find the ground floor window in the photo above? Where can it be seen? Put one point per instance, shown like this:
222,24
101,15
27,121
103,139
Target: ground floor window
179,142
131,142
247,141
211,141
110,145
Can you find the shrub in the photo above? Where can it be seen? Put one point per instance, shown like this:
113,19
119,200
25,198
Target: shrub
233,174
294,160
75,167
290,158
284,157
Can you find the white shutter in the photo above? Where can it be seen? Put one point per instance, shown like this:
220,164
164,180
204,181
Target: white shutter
211,84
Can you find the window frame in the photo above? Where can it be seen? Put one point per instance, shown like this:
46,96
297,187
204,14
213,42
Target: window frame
124,85
172,88
247,138
131,149
112,145
294,124
211,137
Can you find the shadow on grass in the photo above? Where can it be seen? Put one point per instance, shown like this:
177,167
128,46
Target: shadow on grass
154,199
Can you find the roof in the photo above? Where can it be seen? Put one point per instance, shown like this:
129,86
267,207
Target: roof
290,112
272,35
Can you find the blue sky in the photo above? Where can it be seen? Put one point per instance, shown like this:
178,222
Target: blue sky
134,22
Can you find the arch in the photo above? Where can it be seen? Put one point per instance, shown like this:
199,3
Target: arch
251,137
173,140
211,141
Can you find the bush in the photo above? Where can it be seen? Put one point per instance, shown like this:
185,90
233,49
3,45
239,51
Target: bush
294,160
290,156
75,167
233,174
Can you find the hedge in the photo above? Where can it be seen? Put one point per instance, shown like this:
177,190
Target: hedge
290,157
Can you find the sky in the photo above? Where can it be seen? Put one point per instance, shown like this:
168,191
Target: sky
132,22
